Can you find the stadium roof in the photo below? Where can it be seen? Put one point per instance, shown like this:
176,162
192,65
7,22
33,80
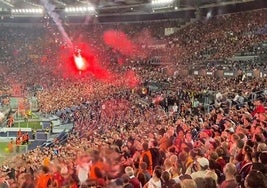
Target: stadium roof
64,3
101,4
113,10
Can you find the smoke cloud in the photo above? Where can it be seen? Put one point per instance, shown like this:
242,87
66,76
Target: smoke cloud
50,10
119,41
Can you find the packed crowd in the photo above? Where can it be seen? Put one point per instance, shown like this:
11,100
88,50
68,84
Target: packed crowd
108,148
119,142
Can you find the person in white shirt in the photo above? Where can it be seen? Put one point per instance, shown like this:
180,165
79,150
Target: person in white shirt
202,165
155,181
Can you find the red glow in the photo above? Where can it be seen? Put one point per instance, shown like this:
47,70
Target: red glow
86,61
119,41
83,60
131,79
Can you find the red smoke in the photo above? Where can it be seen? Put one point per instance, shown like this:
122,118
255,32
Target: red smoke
83,59
131,79
86,60
119,41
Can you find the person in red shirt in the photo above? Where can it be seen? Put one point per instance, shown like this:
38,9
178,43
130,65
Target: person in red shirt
133,180
19,133
57,178
230,180
259,107
72,183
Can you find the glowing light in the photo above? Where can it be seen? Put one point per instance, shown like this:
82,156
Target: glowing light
79,9
209,15
27,11
80,62
161,2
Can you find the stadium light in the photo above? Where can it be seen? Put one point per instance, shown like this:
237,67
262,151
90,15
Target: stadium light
89,9
161,2
31,11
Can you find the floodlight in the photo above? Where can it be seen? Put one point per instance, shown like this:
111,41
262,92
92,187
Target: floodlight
91,8
79,9
161,2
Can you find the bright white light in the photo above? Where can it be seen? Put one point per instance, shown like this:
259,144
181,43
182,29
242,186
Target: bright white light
79,9
161,2
91,8
80,62
27,11
209,15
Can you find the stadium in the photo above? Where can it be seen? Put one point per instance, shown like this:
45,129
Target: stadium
133,93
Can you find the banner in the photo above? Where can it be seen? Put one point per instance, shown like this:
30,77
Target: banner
169,31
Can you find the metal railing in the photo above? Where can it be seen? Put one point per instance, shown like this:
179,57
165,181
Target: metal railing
253,96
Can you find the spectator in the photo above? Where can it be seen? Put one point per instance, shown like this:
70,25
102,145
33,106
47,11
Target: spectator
202,166
133,180
255,179
230,179
155,181
188,183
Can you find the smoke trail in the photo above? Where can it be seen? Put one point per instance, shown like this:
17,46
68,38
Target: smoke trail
50,10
